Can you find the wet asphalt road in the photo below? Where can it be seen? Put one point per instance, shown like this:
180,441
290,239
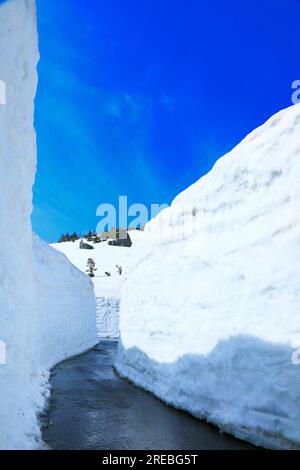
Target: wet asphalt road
92,408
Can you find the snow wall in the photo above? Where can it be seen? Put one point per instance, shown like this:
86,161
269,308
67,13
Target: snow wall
210,312
108,317
47,307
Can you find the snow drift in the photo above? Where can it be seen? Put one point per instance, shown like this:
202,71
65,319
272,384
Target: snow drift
47,309
214,322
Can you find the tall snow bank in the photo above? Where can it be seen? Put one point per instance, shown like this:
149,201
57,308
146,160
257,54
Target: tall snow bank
210,312
18,58
40,322
66,305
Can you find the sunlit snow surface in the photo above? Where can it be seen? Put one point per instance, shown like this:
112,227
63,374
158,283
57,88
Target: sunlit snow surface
107,288
47,307
210,311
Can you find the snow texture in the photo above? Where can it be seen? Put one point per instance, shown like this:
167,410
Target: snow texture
108,317
107,288
66,304
47,307
210,311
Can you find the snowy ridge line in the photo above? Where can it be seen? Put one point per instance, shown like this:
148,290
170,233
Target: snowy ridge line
187,216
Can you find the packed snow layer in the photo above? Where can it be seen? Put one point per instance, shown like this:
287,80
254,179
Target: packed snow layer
210,311
66,305
40,323
108,309
18,58
107,288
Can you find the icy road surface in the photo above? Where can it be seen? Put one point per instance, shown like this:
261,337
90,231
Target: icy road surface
92,408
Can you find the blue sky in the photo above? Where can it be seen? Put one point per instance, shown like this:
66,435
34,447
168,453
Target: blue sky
140,98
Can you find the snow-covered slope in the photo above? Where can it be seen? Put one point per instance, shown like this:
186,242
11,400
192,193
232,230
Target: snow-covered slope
215,319
40,322
107,288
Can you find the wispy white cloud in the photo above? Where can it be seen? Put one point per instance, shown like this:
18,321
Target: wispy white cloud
124,106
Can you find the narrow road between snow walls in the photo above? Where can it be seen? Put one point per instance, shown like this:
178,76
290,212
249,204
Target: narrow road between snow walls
92,408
